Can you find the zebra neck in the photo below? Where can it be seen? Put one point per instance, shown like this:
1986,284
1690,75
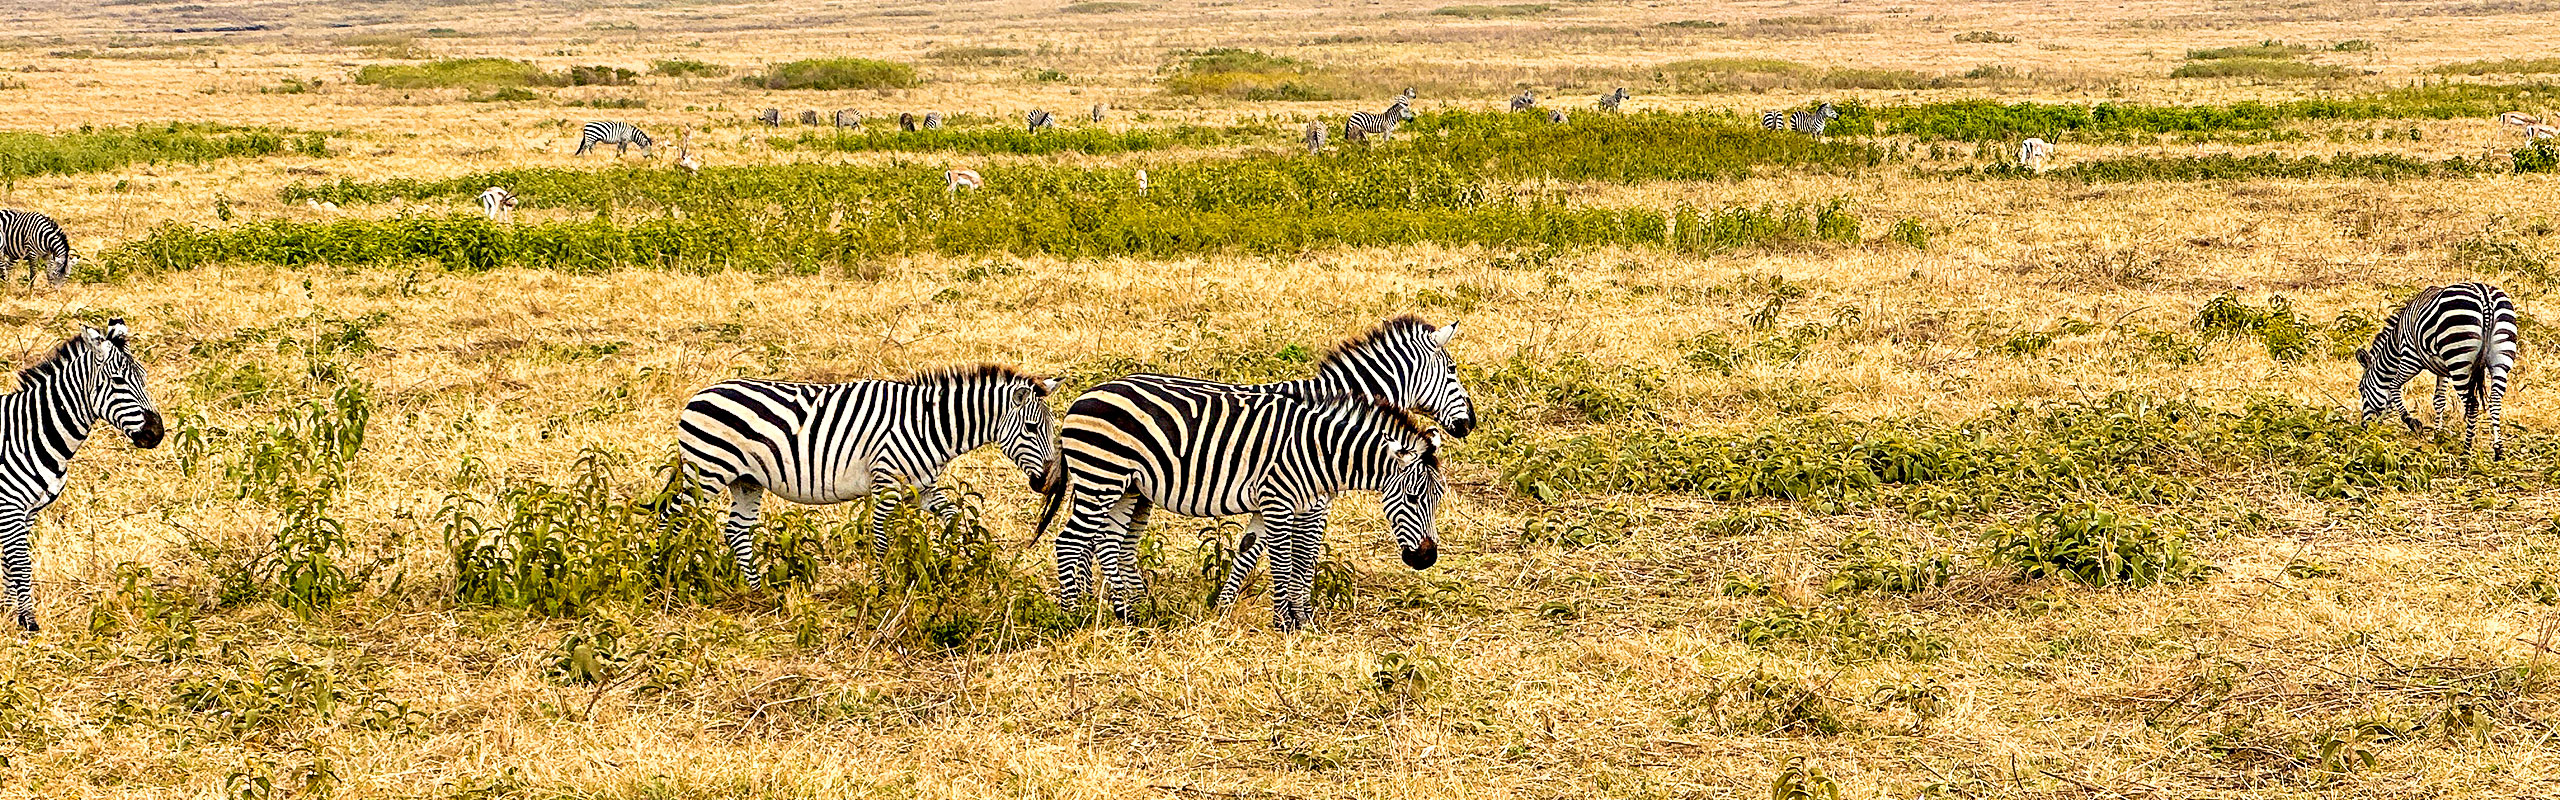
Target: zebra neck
49,416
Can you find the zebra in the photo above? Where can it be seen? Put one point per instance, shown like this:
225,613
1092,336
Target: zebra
1528,99
933,120
1315,137
1813,122
1383,123
958,179
2466,335
907,121
848,118
1611,101
90,377
1557,116
1211,451
809,116
1039,118
2033,152
622,135
1408,94
1773,120
498,203
820,444
33,237
1096,114
1404,362
772,118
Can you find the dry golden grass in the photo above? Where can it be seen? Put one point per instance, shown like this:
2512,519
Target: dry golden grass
2050,689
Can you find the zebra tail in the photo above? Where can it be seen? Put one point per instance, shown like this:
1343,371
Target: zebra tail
1052,495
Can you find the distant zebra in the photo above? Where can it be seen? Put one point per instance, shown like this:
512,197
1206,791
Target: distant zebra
772,118
819,444
848,118
1039,118
1315,136
1526,100
2466,335
30,236
622,135
1813,122
1208,451
1611,101
1557,116
1404,362
2033,152
1773,120
933,120
1408,94
958,179
907,121
1362,123
89,377
497,203
1097,113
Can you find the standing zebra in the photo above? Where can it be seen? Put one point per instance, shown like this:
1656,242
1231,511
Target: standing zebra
497,203
622,135
33,237
1039,118
809,116
907,121
1773,120
2466,335
1527,99
933,120
1408,94
1403,362
1362,123
2518,119
1813,122
1210,451
1315,136
820,444
1097,113
90,377
848,118
1611,101
1557,116
772,118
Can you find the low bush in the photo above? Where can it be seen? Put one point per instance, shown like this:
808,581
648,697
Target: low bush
2500,66
2266,49
2227,166
1980,120
1250,75
834,74
686,68
453,73
2094,546
1012,139
1494,12
2270,69
91,149
972,54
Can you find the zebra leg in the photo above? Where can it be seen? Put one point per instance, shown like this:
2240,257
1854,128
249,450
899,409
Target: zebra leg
1089,520
745,499
1119,557
2493,404
1301,537
1248,555
15,526
885,500
2444,394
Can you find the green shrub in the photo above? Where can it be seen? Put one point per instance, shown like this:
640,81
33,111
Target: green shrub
972,54
595,75
2352,46
2260,68
834,74
1494,12
2096,547
90,149
2227,166
1249,75
509,94
686,68
1981,120
2500,66
2266,49
1985,37
466,73
1012,139
2286,334
1842,634
2538,157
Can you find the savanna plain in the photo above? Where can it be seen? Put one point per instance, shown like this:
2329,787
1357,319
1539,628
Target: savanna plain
1869,464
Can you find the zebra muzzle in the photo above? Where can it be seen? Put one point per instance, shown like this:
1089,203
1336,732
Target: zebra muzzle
1424,556
149,435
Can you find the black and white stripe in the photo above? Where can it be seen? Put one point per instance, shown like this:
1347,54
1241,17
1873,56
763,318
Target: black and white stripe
771,117
1039,118
90,377
29,236
1813,122
1383,124
933,120
809,116
1612,100
2466,335
1557,116
1773,120
907,121
820,444
1211,451
498,204
848,118
1527,99
622,135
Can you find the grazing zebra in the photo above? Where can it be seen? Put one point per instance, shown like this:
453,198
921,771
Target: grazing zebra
772,118
1813,122
1557,116
1315,136
1039,118
809,116
1403,362
1528,99
848,118
622,135
1206,450
1383,123
958,179
2033,152
90,377
2518,119
1097,113
1611,101
33,237
820,444
933,120
2466,335
498,203
1773,120
907,121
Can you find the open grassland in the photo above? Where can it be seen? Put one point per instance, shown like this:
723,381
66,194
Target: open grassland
1877,463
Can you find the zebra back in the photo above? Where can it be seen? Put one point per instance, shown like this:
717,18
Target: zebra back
907,121
1039,118
1315,136
1773,120
771,117
33,236
848,118
1527,99
809,116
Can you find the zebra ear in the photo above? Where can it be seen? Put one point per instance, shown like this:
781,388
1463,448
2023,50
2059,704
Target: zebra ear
1048,385
116,330
1441,337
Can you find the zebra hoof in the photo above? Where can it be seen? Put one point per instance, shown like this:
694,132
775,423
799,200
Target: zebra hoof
27,622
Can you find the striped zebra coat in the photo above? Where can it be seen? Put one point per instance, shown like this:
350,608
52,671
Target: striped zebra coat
809,116
1813,122
622,135
1039,118
1527,99
848,118
1096,115
497,203
907,121
29,236
1383,124
820,444
90,377
933,120
1209,451
1612,100
2466,335
771,117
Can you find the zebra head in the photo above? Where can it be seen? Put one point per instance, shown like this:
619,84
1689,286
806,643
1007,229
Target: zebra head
121,399
2381,367
1830,112
1411,496
1028,432
642,139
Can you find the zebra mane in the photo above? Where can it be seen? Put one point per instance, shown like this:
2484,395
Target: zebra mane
966,374
46,367
1402,422
1403,325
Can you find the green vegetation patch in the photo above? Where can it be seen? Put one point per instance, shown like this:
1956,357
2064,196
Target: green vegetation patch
835,73
1494,12
2501,66
686,68
2260,68
1101,7
99,149
1012,139
1250,75
2266,49
453,73
973,54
